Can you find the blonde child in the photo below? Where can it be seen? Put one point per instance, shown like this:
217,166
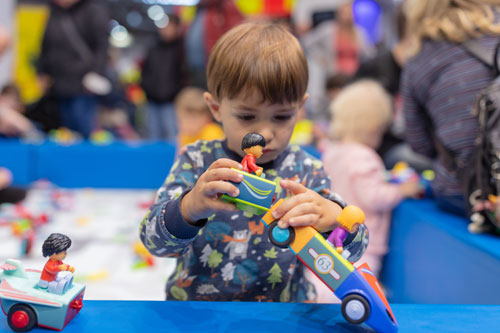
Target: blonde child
194,119
360,115
257,78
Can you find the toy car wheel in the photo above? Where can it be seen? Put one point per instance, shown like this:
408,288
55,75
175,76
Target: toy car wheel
355,309
21,318
280,237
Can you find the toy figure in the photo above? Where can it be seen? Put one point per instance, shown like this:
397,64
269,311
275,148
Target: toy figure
349,219
252,144
55,247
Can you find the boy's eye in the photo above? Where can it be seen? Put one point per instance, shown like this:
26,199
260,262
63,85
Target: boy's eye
246,117
284,117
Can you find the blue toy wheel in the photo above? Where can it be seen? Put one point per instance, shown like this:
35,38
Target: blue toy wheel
280,237
355,308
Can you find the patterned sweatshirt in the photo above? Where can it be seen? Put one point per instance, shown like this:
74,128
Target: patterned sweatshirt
228,256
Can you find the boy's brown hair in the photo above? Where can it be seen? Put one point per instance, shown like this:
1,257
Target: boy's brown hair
261,56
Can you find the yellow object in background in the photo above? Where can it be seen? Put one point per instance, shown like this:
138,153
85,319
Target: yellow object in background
246,7
302,133
210,131
30,26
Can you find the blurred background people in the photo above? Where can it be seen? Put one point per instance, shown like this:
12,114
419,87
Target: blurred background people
194,119
361,114
385,67
333,46
212,19
441,82
162,79
73,60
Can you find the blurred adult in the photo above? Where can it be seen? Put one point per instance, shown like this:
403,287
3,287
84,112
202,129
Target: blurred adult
4,40
12,123
162,79
333,46
386,67
441,82
213,18
73,60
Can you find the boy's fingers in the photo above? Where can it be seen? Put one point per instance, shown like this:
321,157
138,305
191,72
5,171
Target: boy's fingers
225,163
289,204
294,187
223,174
296,211
303,220
219,205
221,187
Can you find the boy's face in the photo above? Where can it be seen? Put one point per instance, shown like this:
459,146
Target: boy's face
239,116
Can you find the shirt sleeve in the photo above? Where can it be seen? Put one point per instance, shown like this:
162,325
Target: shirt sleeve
163,230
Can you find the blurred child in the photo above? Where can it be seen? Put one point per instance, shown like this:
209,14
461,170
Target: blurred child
361,113
257,78
162,79
194,119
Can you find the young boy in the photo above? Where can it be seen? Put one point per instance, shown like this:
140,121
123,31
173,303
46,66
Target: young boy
257,78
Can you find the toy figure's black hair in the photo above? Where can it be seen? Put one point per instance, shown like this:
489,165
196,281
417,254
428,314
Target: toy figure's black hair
252,139
55,243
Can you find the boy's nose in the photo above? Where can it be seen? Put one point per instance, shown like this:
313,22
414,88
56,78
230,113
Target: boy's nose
268,134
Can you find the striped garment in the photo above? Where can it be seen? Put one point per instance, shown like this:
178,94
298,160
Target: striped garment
441,84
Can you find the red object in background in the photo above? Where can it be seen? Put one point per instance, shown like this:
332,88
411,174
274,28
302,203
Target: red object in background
275,8
220,16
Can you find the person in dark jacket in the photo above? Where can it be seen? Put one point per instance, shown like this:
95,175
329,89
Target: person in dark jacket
75,43
162,79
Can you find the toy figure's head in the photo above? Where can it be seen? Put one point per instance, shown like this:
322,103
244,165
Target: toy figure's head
253,143
350,218
55,246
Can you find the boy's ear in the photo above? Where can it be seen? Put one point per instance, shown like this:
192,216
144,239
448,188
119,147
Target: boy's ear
213,105
304,99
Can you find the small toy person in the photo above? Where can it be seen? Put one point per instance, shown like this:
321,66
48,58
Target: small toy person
252,144
55,247
349,219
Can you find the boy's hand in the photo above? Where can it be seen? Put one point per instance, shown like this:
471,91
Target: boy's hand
306,207
203,200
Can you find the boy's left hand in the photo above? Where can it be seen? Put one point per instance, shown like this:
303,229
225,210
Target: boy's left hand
306,207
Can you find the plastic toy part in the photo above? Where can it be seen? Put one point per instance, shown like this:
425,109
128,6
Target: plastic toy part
26,305
355,309
256,194
21,318
362,298
281,237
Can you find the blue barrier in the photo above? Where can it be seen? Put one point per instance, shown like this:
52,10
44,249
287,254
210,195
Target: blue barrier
434,259
115,165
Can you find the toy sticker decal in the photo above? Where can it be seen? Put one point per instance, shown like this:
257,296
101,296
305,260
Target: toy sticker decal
323,263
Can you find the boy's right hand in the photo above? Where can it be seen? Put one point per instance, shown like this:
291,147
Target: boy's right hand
203,200
411,189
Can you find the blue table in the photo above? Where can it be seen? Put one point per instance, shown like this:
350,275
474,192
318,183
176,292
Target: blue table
135,316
